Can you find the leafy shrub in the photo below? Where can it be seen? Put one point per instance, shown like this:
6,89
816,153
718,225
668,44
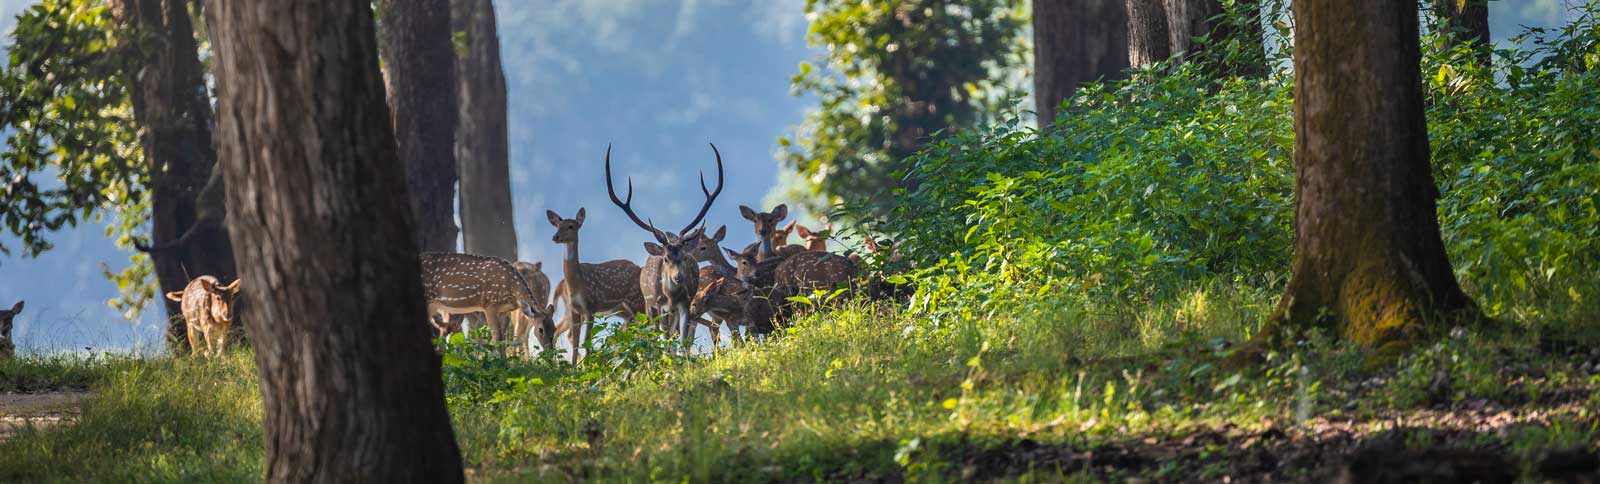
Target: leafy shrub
1170,179
1141,188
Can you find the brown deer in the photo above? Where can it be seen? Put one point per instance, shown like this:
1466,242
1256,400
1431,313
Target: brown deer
671,270
709,250
8,348
591,289
465,284
804,272
816,241
543,325
205,302
769,238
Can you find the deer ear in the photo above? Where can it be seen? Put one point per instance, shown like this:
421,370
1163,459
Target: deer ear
538,266
748,213
721,232
780,212
732,253
654,249
871,245
552,217
17,308
233,287
790,226
550,309
804,232
580,217
175,295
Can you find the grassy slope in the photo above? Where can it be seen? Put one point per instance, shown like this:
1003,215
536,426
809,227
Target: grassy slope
866,392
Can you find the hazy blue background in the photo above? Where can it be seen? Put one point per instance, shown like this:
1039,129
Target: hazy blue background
657,78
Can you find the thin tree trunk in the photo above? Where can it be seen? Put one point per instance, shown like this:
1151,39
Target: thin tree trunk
1190,19
1467,21
421,61
487,225
174,115
1075,41
317,204
1147,32
1369,264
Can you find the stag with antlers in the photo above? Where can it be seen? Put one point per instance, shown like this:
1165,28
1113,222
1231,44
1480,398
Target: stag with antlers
671,271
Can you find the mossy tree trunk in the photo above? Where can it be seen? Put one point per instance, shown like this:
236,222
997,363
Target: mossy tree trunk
1075,42
317,207
1369,264
1467,21
174,115
421,63
482,154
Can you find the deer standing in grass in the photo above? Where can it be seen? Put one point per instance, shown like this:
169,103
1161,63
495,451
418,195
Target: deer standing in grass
543,326
465,284
8,348
205,302
671,274
591,289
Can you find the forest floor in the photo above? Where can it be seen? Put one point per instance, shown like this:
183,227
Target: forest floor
857,395
38,410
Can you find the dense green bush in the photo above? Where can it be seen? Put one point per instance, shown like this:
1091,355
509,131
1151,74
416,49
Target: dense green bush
1172,179
1143,187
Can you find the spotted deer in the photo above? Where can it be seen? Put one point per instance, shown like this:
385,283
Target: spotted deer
542,325
605,288
205,303
709,251
816,241
804,272
671,274
465,284
769,238
8,348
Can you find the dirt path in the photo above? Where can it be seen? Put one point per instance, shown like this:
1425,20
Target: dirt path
40,410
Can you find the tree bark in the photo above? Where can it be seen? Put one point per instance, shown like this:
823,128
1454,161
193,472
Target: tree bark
487,226
421,61
1075,41
1190,19
1467,21
173,110
1147,32
317,204
1369,264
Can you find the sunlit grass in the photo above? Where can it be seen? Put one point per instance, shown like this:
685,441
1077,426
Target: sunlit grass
860,391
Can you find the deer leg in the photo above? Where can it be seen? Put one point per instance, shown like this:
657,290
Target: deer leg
682,314
574,330
194,340
221,344
491,318
716,334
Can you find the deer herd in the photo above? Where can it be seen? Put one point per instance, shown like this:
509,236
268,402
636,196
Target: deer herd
685,282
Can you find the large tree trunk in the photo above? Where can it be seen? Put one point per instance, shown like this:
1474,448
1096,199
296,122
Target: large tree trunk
317,205
1467,21
174,115
1190,19
421,62
1369,264
1075,41
487,226
1147,32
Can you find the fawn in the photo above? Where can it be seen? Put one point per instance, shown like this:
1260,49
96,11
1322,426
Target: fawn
207,312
